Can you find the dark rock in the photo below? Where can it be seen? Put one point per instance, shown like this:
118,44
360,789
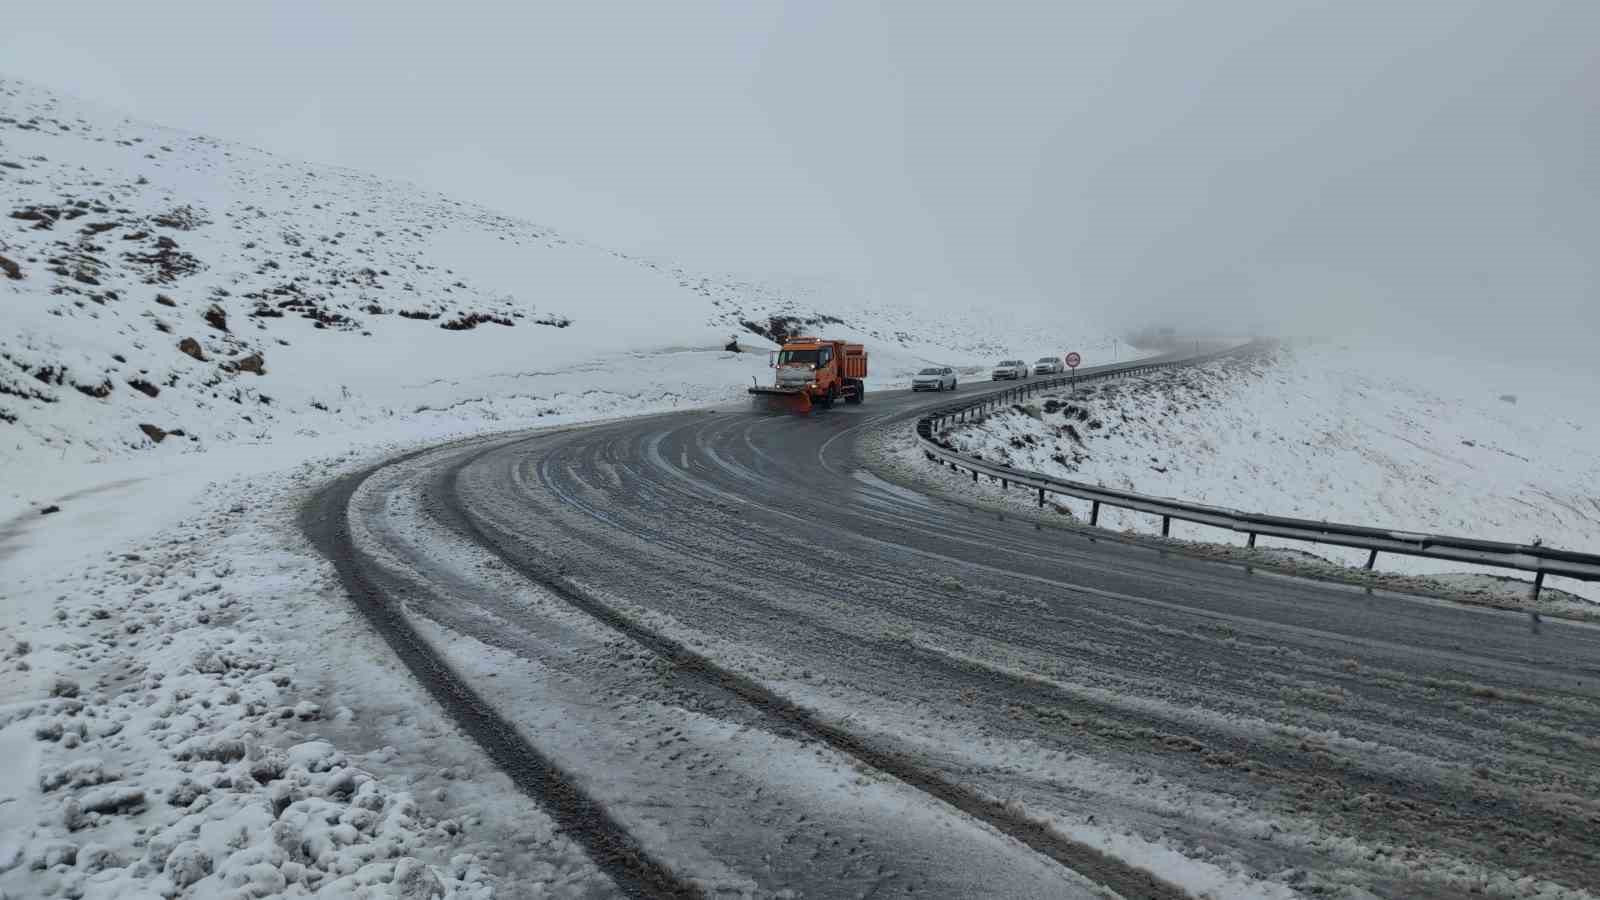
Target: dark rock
43,217
12,270
107,800
183,218
184,793
473,320
56,853
192,347
255,363
218,749
187,864
217,317
269,768
156,433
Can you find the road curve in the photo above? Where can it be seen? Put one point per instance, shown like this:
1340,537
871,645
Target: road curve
732,654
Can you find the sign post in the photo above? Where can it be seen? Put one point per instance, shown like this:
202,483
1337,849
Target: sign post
1072,363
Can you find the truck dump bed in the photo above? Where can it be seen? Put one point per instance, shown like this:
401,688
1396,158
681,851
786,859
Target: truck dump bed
855,360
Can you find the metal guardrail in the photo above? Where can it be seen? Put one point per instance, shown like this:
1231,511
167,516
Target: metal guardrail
1534,558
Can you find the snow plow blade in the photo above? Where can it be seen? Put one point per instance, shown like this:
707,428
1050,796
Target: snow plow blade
773,400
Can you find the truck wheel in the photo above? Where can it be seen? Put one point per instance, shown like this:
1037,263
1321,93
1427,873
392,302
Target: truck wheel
857,394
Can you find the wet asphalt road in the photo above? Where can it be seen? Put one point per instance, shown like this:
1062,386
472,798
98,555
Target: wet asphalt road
775,592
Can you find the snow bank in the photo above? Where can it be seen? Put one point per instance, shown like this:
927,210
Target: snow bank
187,714
1364,435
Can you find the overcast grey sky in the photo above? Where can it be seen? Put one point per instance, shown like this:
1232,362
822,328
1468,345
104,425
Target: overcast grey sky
1426,166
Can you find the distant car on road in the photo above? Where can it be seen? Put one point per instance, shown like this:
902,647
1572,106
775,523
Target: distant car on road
1009,370
937,378
1047,365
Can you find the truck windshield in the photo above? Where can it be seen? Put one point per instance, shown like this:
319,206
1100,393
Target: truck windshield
798,357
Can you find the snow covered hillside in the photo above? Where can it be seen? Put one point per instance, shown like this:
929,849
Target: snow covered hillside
196,334
1364,435
161,287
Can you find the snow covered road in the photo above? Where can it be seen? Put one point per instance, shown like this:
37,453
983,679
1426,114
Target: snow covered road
740,654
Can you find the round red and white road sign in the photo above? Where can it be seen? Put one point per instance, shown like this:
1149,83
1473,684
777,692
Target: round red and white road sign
1073,359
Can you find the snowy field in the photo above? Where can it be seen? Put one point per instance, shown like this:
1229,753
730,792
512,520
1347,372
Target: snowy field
196,334
199,333
186,714
1347,433
165,292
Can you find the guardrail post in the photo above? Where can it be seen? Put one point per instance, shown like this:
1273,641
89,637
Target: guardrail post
1371,558
974,476
1538,582
1252,540
1166,526
1041,498
1005,484
1094,513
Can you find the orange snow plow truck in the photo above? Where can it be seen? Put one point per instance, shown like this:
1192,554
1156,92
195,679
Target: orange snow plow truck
809,371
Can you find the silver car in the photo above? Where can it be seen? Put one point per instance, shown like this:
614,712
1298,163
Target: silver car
937,378
1047,365
1009,370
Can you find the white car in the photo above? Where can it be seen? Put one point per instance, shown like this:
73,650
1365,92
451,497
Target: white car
1047,365
937,378
1009,370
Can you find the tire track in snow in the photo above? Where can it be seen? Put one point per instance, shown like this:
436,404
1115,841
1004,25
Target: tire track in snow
652,540
1268,757
613,849
675,516
1128,881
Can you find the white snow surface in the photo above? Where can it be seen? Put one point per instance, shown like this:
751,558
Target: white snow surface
189,711
328,291
172,592
1370,435
170,608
